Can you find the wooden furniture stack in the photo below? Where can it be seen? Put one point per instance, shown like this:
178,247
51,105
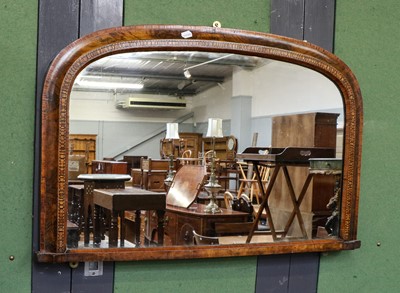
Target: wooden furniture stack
83,146
304,130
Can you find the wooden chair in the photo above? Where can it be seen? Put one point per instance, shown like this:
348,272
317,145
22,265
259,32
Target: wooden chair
228,199
187,159
187,154
242,204
248,181
208,156
204,240
249,184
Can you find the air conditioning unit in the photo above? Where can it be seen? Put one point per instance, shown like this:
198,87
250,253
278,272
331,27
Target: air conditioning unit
155,103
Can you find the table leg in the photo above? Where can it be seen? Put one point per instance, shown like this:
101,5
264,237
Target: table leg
137,227
113,232
122,228
81,210
86,231
89,210
160,227
96,226
264,204
296,203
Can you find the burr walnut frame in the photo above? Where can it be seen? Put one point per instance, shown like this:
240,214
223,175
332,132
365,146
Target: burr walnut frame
55,130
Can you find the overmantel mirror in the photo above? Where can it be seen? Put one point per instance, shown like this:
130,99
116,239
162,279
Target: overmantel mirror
293,190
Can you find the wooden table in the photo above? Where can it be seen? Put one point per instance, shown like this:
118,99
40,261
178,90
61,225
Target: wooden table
90,182
117,201
183,215
279,159
182,221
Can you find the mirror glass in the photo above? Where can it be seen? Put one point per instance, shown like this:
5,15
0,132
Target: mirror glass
119,107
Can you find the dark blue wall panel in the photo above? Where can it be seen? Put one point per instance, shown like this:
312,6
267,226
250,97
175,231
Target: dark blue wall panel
60,23
58,26
273,273
100,14
310,20
288,273
287,18
319,23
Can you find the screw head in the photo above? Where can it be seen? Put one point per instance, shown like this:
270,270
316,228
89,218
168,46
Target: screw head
216,24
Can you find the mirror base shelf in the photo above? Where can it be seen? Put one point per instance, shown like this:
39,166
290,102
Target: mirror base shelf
182,252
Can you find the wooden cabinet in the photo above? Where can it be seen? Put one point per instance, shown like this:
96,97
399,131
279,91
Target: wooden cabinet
305,130
109,167
225,147
187,141
83,145
192,142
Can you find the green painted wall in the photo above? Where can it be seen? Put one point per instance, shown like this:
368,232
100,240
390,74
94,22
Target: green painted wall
214,275
18,23
250,15
366,39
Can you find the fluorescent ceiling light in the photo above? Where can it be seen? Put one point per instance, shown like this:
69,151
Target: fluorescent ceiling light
109,85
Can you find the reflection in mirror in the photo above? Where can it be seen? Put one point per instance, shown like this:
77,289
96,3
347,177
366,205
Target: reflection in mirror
287,187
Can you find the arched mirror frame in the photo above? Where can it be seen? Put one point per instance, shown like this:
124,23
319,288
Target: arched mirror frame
55,130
